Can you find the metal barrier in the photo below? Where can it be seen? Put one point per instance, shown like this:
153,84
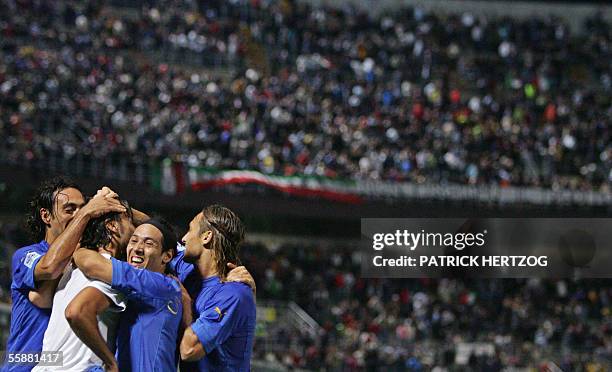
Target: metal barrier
278,317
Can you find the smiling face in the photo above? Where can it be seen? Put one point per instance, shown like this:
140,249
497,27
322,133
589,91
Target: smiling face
145,249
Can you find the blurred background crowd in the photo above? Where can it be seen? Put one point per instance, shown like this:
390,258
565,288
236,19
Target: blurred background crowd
417,324
412,96
287,88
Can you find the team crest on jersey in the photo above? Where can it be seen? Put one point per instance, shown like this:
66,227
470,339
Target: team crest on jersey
171,309
30,258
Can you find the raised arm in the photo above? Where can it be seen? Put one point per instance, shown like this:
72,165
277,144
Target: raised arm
82,315
94,265
52,264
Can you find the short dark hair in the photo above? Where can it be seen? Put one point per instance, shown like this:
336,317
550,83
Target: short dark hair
169,239
97,234
228,234
45,197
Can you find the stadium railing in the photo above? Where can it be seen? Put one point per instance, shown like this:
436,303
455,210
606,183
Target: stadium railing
151,173
271,315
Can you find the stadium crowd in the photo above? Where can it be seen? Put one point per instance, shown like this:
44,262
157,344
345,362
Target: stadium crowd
411,97
374,322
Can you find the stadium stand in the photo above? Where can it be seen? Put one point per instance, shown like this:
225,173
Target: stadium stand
414,97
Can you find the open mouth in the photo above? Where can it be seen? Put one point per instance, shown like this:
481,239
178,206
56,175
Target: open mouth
136,260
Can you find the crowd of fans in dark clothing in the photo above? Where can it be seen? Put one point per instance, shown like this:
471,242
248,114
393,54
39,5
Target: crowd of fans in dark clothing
410,97
406,323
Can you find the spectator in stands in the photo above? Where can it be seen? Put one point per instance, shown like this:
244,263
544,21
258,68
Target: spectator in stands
413,98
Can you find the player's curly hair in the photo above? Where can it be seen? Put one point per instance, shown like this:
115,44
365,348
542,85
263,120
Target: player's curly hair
97,234
45,198
228,235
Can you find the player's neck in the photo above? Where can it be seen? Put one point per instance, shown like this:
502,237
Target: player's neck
50,236
206,268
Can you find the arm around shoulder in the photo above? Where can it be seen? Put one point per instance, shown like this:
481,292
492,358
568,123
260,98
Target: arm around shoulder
94,265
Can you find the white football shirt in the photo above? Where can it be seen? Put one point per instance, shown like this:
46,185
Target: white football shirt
78,357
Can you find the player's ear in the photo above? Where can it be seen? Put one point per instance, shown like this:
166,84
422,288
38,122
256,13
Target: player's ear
45,216
166,257
206,238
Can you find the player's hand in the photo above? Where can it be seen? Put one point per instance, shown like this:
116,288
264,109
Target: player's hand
240,274
184,294
111,368
102,204
107,192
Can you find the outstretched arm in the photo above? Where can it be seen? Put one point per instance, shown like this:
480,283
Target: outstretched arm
82,315
94,265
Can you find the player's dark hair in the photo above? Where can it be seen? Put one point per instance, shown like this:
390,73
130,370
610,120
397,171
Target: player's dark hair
45,198
169,238
97,234
228,234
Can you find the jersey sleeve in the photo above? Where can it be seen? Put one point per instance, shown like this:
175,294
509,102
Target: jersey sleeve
217,321
24,264
178,264
143,284
117,298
